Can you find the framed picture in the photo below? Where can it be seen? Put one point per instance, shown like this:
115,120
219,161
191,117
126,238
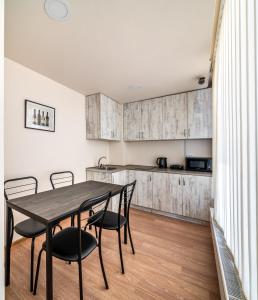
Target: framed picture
39,116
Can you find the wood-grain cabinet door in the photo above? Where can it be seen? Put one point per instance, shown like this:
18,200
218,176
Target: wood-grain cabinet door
117,121
99,176
156,119
144,188
131,175
175,193
93,116
161,197
145,120
174,117
117,178
132,121
197,197
199,114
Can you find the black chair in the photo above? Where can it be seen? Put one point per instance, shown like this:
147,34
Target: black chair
61,179
29,228
74,244
115,221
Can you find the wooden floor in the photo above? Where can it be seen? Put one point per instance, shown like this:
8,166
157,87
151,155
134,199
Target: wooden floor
174,260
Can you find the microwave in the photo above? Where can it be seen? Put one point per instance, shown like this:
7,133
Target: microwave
201,164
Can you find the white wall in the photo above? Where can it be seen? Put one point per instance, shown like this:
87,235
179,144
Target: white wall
145,153
39,153
2,202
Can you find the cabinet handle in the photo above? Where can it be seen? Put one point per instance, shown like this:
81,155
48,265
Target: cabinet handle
183,181
179,181
188,132
150,177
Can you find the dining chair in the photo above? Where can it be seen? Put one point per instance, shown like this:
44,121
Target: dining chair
73,244
28,228
61,179
116,220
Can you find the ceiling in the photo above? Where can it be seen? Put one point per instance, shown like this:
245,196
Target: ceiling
126,49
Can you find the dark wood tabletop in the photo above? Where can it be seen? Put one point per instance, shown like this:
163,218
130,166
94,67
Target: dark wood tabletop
57,204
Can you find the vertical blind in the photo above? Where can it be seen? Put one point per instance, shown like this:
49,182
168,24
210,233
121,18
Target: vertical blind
235,88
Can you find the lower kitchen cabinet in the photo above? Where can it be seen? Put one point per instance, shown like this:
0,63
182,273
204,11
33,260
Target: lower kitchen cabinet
144,188
118,178
131,178
175,193
197,197
183,195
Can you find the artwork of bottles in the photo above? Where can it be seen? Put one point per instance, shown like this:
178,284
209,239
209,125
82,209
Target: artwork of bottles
40,118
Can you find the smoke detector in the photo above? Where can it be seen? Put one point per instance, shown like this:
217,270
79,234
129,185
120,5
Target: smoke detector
57,10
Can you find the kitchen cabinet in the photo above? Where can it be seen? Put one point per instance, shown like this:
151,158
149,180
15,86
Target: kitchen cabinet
103,118
99,176
143,120
183,195
175,192
175,117
132,121
197,197
160,192
132,177
168,193
144,188
199,114
180,116
156,119
118,178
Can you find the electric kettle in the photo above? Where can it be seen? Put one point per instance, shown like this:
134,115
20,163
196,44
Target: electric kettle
162,162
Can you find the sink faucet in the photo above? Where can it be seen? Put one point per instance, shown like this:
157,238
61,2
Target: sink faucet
99,164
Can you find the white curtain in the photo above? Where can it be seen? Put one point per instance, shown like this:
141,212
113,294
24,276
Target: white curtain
235,88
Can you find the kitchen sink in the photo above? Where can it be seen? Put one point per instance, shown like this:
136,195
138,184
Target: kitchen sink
107,168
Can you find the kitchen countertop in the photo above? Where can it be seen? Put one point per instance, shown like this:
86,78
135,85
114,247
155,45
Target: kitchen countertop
119,168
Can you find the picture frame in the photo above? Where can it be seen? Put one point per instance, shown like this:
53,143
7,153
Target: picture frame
39,116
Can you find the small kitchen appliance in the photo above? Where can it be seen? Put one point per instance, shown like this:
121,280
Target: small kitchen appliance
201,164
162,162
177,167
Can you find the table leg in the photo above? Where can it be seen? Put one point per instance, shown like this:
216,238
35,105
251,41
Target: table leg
49,271
125,214
9,235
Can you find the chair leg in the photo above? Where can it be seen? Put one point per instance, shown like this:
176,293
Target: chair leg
80,279
96,232
37,273
120,251
72,221
32,264
130,236
60,227
102,265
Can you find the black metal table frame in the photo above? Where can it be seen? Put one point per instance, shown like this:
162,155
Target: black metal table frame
49,227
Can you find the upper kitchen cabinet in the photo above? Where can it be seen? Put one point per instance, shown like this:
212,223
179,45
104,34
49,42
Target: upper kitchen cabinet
175,117
103,118
132,121
199,114
180,116
143,120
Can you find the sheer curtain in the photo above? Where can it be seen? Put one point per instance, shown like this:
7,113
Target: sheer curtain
235,91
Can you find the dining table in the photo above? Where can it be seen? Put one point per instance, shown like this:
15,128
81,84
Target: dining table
51,207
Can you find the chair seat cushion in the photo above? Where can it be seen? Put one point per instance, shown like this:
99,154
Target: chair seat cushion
65,243
30,228
110,221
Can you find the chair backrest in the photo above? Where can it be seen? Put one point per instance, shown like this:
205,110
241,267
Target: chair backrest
126,195
101,201
61,179
19,187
